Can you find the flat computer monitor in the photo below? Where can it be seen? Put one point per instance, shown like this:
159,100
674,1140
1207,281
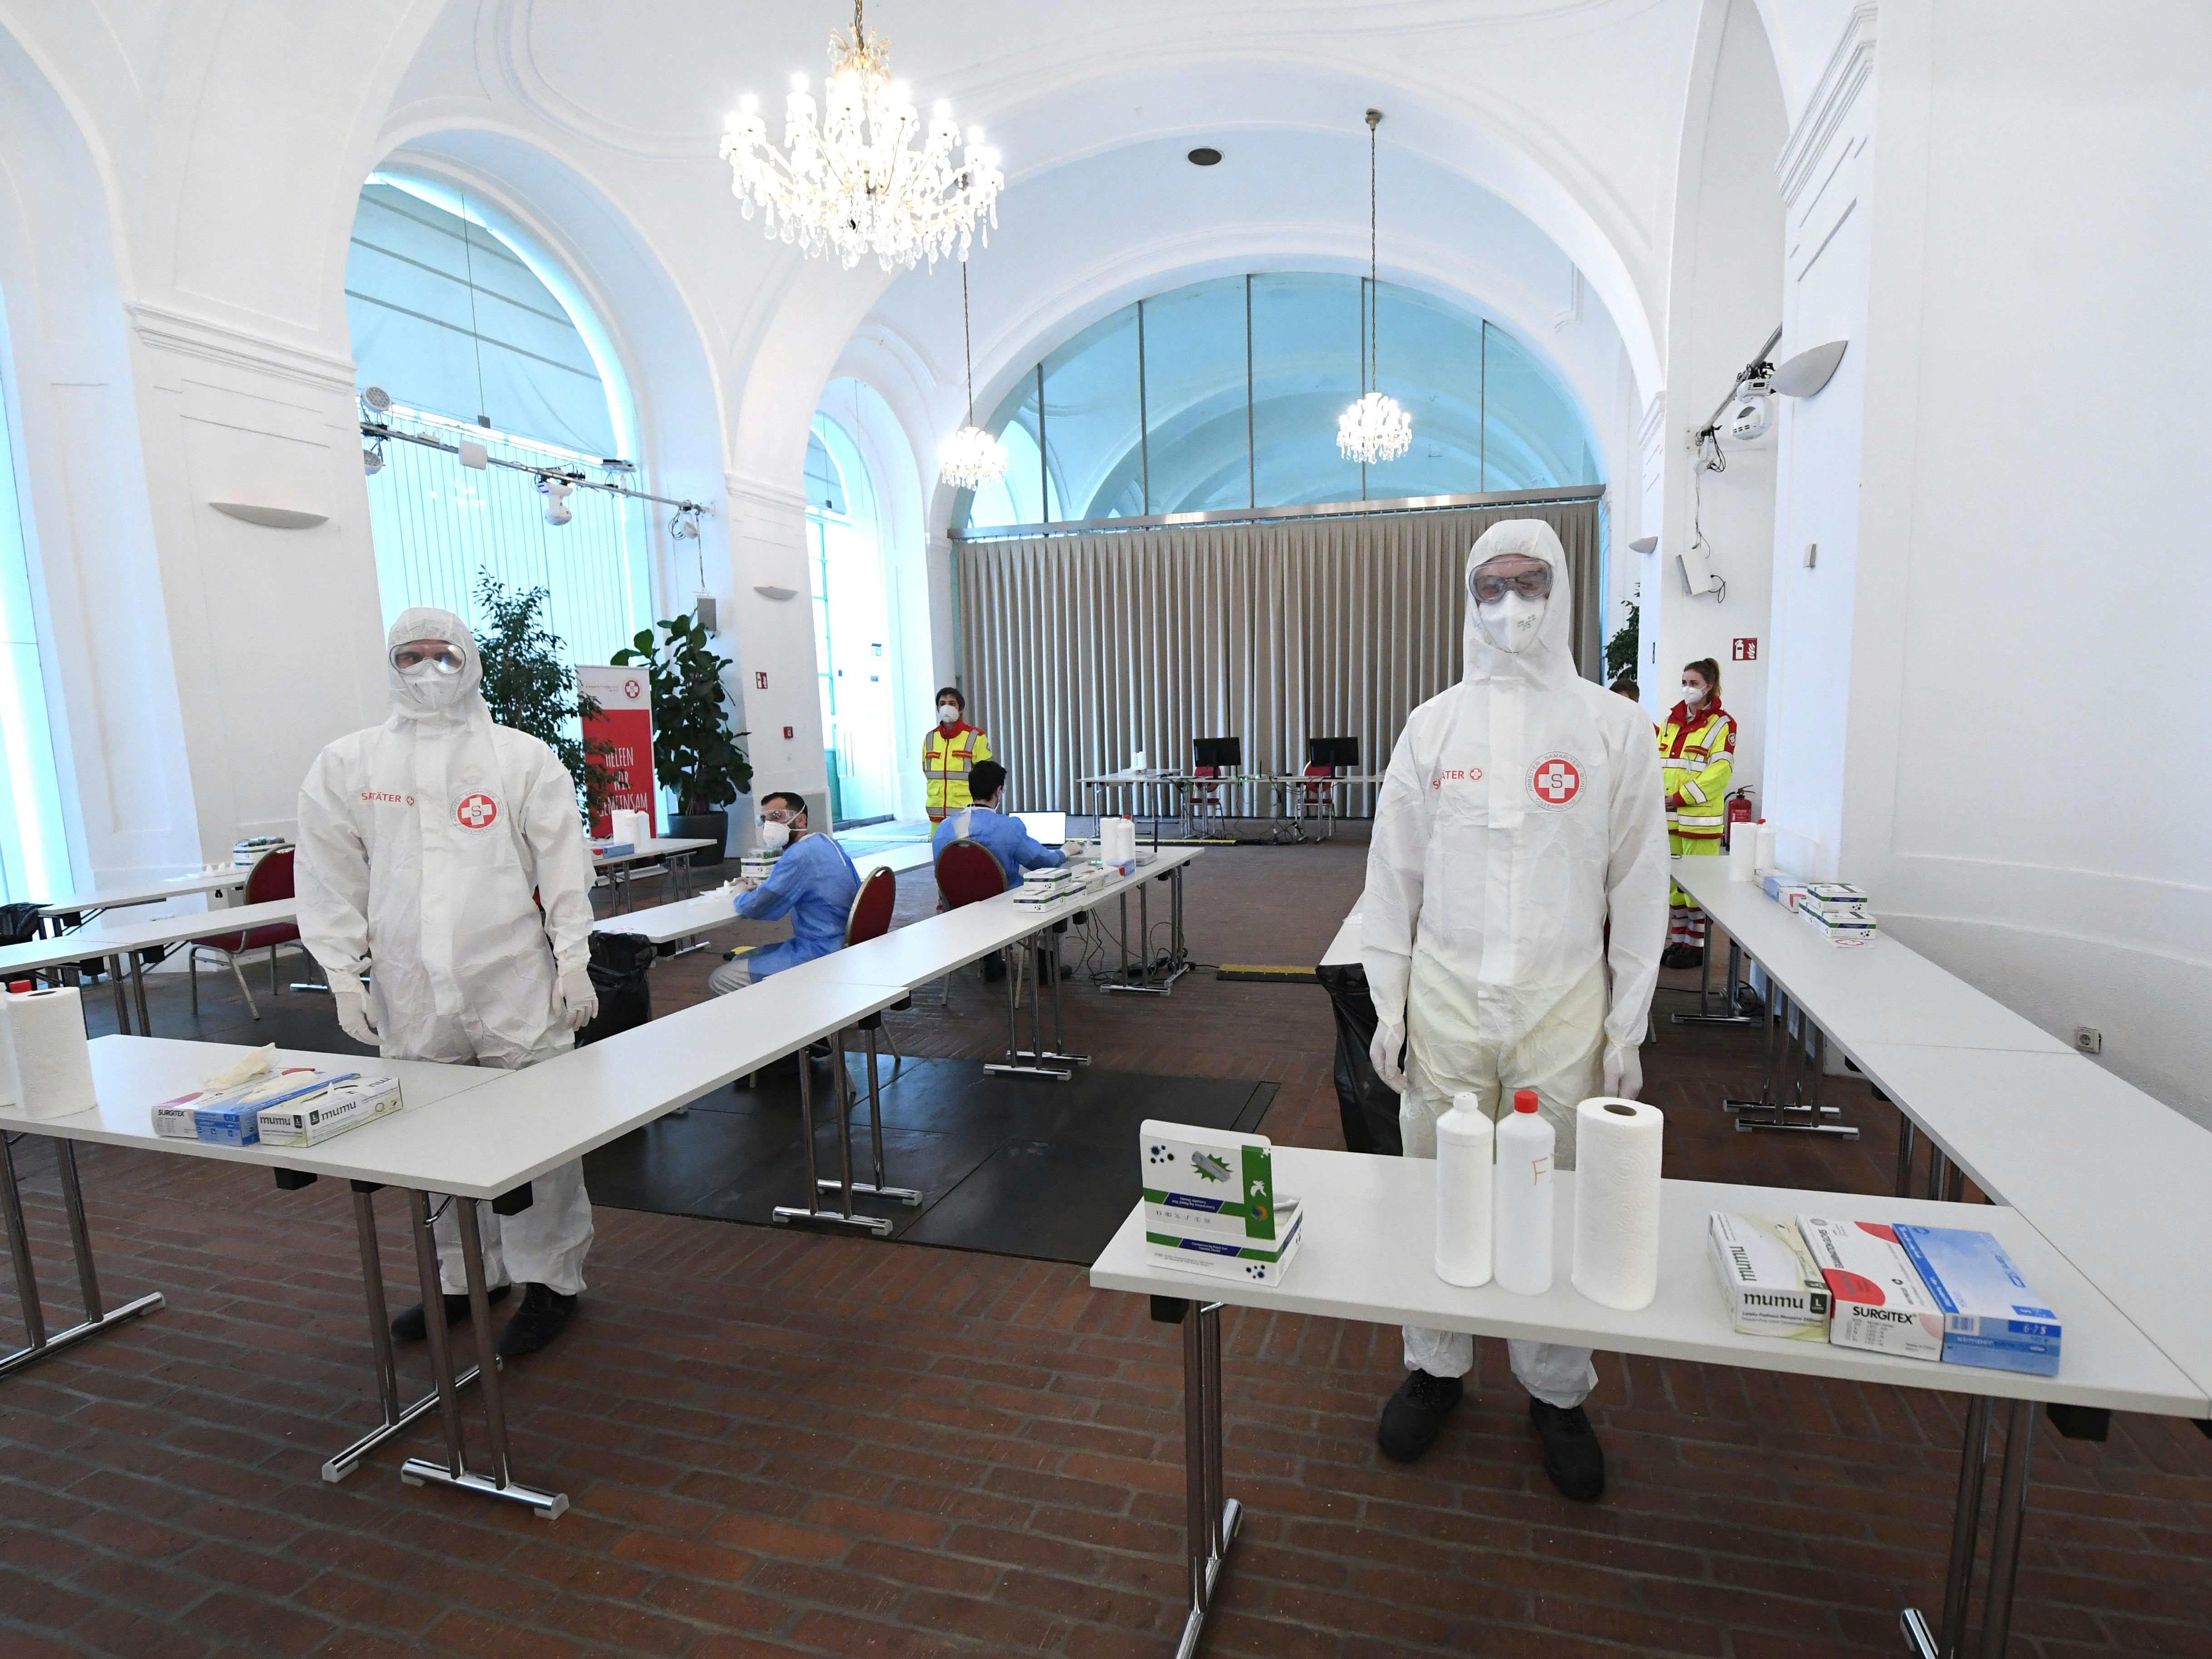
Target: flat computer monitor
1332,752
1219,752
1045,828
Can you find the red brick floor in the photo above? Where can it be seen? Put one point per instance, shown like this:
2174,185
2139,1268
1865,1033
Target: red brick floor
785,1444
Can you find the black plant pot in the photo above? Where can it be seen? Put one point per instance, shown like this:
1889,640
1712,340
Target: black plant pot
701,826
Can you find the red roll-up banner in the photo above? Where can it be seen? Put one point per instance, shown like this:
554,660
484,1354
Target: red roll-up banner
625,722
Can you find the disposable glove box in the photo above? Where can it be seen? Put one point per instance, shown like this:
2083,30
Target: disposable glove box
231,1117
1992,1316
310,1122
1878,1300
1772,1286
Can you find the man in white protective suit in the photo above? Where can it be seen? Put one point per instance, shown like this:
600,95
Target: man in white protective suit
1522,818
443,856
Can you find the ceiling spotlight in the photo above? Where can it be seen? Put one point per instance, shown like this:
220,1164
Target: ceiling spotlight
1750,410
1808,371
372,461
556,490
1205,156
377,398
1644,544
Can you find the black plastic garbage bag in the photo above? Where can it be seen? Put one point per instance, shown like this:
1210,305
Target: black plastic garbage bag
1368,1105
620,963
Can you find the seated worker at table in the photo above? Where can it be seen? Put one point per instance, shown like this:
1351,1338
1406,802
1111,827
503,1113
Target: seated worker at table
442,855
813,883
1006,838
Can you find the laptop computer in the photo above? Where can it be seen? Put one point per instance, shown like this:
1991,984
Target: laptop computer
1045,828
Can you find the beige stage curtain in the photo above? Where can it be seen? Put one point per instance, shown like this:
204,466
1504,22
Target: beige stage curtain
1077,650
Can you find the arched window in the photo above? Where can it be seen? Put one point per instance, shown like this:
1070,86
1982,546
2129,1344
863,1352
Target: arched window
1224,394
35,862
854,646
456,316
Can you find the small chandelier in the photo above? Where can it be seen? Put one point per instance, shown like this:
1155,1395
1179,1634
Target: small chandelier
856,182
1375,428
971,457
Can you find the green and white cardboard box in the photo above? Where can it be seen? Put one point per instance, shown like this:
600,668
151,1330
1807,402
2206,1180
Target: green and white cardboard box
1256,1263
346,1106
1772,1284
1210,1172
1178,1221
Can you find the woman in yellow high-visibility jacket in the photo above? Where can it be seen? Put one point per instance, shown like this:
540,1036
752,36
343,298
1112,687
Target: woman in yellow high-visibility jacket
1696,758
950,749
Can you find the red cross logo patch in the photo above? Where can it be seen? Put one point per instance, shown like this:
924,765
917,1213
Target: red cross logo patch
477,811
1556,780
631,688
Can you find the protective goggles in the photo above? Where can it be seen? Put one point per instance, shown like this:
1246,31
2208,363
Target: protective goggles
1488,585
778,815
436,655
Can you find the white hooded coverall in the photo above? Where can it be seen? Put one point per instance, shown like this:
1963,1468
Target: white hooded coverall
1521,812
421,842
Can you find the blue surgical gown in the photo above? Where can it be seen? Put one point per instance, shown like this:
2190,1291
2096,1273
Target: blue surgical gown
814,884
1005,837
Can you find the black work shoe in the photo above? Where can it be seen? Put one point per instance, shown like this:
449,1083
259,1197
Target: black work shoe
1414,1416
536,1323
1572,1457
409,1325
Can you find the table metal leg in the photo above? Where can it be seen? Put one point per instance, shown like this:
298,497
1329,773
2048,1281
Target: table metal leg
97,1317
2004,1540
1965,1528
455,1470
1152,976
1035,1060
1803,1053
1210,1520
1705,1016
122,1000
396,1418
812,1214
876,1189
1905,1142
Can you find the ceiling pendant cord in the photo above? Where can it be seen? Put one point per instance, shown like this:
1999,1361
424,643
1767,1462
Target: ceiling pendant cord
1374,287
967,344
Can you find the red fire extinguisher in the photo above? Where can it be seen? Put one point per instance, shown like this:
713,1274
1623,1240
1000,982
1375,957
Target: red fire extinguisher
1739,812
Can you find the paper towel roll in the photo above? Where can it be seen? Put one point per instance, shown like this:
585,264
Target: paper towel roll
1766,855
52,1057
1617,1147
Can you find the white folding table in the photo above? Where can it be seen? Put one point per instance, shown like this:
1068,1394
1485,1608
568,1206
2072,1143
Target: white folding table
91,904
472,1135
1854,996
120,942
674,851
1368,1254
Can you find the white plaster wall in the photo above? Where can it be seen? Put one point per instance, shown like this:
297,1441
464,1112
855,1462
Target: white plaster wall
2029,769
1727,299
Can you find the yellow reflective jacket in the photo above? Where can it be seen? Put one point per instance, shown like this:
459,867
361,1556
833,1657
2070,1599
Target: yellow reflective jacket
947,760
1696,758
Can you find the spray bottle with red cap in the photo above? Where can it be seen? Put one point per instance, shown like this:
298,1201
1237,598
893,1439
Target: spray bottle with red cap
1520,1252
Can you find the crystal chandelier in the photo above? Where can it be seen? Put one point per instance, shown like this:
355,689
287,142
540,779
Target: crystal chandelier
971,457
865,177
1375,428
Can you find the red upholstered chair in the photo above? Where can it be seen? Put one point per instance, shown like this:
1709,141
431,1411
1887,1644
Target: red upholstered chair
270,878
871,914
870,918
967,873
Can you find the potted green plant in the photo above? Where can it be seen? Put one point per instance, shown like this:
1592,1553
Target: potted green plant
529,686
695,753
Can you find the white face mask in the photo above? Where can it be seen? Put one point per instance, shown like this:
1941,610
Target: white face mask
1511,620
947,715
775,837
1693,694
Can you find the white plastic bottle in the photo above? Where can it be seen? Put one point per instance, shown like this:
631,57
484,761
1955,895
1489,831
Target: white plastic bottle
1464,1141
1521,1223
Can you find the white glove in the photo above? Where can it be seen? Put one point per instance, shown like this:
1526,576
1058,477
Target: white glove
579,1001
1389,1043
354,1016
1624,1072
